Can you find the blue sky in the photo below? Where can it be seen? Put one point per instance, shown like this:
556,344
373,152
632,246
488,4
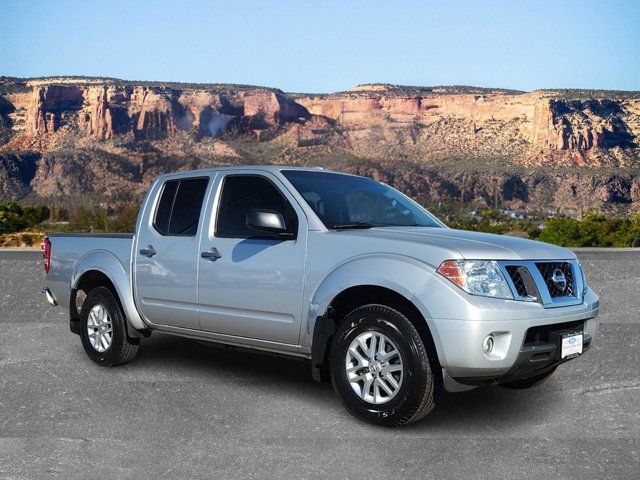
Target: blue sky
324,46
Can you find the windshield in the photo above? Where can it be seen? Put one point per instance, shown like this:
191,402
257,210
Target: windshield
345,201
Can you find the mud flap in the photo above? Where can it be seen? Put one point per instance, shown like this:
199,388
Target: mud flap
322,333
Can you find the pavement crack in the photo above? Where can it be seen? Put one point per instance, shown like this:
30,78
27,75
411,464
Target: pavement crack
610,388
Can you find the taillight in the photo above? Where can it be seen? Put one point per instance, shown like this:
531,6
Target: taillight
45,247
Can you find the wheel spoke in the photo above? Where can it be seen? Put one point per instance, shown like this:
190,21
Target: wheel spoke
361,360
368,380
381,346
372,346
391,379
358,378
394,368
363,346
384,386
388,355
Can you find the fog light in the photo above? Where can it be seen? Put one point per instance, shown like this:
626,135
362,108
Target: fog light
487,344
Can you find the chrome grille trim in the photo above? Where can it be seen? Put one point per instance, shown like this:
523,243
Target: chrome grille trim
518,282
547,270
546,295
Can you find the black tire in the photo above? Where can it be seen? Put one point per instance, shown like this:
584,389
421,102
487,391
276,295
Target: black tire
415,397
528,382
122,348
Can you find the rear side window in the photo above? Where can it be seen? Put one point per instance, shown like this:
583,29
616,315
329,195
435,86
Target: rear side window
179,208
243,193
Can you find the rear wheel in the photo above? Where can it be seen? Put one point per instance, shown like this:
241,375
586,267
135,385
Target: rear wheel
103,331
380,367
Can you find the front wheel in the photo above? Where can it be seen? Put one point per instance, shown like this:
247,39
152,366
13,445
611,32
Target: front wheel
380,367
103,331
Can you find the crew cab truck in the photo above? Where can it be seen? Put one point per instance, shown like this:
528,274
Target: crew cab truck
385,301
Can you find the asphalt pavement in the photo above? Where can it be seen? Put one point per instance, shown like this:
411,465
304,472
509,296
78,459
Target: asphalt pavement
183,409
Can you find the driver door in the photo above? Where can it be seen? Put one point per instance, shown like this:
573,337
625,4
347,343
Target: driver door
253,286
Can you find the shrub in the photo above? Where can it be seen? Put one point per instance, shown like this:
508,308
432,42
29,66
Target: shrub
594,230
14,217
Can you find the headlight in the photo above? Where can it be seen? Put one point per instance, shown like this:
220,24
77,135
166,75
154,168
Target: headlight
477,277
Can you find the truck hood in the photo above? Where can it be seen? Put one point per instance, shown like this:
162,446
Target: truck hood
470,245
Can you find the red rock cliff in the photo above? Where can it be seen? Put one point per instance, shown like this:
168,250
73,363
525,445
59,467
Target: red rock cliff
375,120
62,136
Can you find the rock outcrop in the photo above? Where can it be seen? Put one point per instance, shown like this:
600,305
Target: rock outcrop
525,126
105,110
530,124
123,132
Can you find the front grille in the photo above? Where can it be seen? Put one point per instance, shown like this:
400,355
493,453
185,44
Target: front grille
516,278
548,269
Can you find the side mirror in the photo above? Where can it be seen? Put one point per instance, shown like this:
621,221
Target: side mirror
267,221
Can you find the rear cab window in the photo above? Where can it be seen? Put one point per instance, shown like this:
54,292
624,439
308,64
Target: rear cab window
179,207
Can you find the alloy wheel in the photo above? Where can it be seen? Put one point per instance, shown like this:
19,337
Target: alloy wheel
99,328
374,367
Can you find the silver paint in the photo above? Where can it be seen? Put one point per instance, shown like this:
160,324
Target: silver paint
269,295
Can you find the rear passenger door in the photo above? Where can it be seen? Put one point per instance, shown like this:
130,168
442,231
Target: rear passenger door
167,252
253,287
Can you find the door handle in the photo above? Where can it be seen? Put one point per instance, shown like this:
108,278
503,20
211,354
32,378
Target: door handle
148,252
212,254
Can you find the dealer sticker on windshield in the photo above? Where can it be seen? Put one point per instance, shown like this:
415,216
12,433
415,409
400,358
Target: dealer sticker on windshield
571,345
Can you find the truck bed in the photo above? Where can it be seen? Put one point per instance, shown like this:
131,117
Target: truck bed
69,249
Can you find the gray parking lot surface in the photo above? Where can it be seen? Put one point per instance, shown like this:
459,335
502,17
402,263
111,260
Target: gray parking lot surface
182,409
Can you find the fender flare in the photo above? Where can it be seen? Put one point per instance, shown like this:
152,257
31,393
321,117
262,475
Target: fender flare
108,264
401,274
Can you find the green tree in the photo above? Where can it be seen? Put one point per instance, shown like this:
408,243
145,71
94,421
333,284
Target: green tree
11,217
125,219
562,231
90,220
15,217
630,236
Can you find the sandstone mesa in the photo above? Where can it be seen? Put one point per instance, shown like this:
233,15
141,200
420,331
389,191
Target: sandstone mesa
480,146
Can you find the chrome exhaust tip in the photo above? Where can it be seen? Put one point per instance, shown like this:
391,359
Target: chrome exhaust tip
50,298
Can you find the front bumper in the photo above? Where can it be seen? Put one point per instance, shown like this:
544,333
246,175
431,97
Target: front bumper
459,342
534,359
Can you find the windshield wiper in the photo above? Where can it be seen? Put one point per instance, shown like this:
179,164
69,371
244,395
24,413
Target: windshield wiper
365,225
356,225
410,225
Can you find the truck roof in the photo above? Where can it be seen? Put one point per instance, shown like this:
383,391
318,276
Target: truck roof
265,168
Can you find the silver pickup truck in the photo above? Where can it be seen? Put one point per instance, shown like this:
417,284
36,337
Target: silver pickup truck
385,301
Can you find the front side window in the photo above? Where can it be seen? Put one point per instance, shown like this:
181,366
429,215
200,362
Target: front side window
243,193
179,207
346,201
